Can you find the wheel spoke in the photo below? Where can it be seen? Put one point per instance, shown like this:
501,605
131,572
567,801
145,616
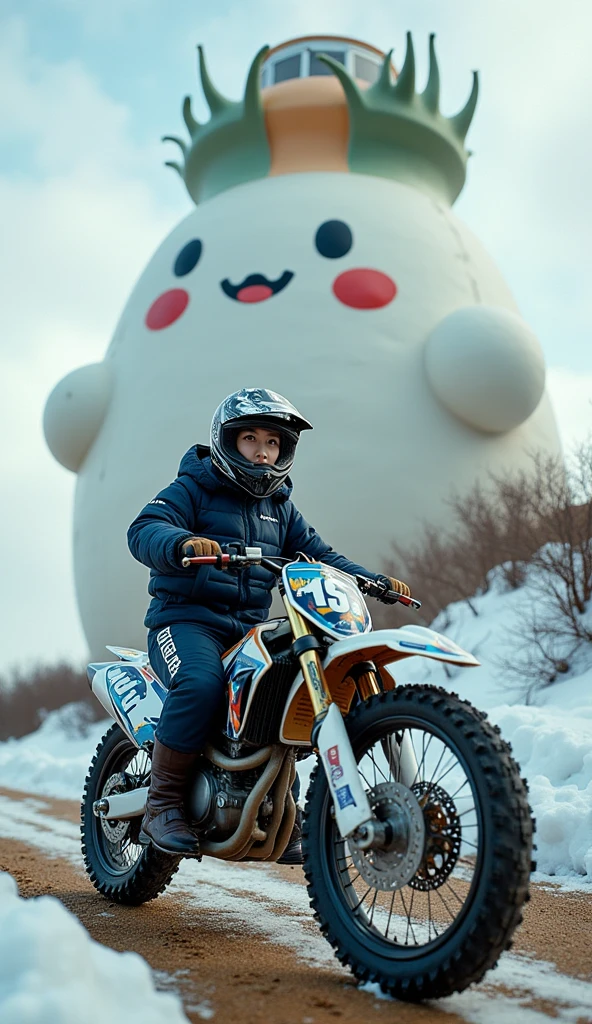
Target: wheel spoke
454,893
425,749
354,879
408,913
415,778
453,796
373,906
443,754
388,923
430,922
468,811
452,916
359,904
364,777
377,767
438,781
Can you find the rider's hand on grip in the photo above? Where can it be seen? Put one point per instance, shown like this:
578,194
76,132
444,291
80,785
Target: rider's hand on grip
399,586
197,547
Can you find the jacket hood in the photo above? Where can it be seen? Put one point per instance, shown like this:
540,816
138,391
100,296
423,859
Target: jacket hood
197,463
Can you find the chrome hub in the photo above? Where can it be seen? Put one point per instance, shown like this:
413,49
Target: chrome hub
388,852
115,830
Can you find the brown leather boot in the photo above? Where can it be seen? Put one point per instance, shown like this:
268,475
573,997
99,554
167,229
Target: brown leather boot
164,823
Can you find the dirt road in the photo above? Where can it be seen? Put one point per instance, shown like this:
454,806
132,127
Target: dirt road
239,943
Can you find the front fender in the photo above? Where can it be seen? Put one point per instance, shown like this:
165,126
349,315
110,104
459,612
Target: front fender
384,646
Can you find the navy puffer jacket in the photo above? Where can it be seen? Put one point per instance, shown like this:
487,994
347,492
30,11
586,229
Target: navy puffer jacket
202,502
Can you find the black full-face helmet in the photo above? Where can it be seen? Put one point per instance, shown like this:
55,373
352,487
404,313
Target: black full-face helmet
255,407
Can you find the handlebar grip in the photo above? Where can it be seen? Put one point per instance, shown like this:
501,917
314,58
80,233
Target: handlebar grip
409,602
217,560
382,593
223,560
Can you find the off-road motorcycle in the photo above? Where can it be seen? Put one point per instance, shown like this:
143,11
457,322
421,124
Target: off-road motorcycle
417,832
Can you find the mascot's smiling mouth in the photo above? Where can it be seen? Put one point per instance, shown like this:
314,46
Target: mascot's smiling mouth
256,287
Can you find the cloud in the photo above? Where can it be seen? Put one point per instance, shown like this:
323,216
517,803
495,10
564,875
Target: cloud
107,20
77,229
78,226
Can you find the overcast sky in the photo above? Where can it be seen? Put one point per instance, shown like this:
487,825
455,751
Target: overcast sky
87,90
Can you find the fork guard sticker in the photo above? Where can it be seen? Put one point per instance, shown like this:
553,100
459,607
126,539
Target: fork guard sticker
334,764
344,797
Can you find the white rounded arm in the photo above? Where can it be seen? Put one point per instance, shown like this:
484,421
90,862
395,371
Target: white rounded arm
74,413
486,367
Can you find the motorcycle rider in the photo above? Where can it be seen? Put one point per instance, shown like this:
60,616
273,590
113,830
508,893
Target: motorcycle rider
238,489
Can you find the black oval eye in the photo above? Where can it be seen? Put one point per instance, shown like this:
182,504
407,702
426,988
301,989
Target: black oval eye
188,258
334,239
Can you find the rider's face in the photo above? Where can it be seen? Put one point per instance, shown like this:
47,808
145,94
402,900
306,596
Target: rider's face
259,445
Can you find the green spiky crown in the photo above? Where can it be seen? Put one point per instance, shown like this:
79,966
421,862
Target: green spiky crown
395,132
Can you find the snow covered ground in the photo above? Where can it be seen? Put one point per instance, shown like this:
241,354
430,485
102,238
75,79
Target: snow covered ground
257,900
52,972
551,739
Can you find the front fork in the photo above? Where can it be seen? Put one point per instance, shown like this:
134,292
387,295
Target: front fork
329,735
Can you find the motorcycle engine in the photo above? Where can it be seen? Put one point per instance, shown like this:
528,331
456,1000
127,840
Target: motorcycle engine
217,799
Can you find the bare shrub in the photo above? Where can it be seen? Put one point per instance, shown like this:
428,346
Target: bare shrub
557,628
25,697
565,515
439,572
536,526
496,524
540,652
501,525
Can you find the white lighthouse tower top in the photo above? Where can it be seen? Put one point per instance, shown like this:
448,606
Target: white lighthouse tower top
298,58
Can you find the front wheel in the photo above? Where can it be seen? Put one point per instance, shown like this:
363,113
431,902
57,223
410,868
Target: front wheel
117,865
431,914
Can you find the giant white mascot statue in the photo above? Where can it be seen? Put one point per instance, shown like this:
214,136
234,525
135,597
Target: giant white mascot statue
322,261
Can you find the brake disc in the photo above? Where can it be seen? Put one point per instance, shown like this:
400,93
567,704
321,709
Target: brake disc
393,868
114,828
443,837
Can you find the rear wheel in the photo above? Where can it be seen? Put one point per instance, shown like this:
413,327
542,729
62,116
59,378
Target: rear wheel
118,866
430,915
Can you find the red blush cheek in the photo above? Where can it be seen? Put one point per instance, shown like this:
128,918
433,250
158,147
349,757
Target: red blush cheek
167,308
364,289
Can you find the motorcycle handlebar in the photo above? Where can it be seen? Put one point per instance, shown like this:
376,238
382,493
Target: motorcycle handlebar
254,556
382,592
251,556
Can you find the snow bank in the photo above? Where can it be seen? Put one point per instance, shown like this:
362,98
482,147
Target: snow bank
554,750
551,739
52,972
54,760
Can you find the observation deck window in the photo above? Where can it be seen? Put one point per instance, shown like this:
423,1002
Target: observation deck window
301,60
318,68
288,67
365,68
